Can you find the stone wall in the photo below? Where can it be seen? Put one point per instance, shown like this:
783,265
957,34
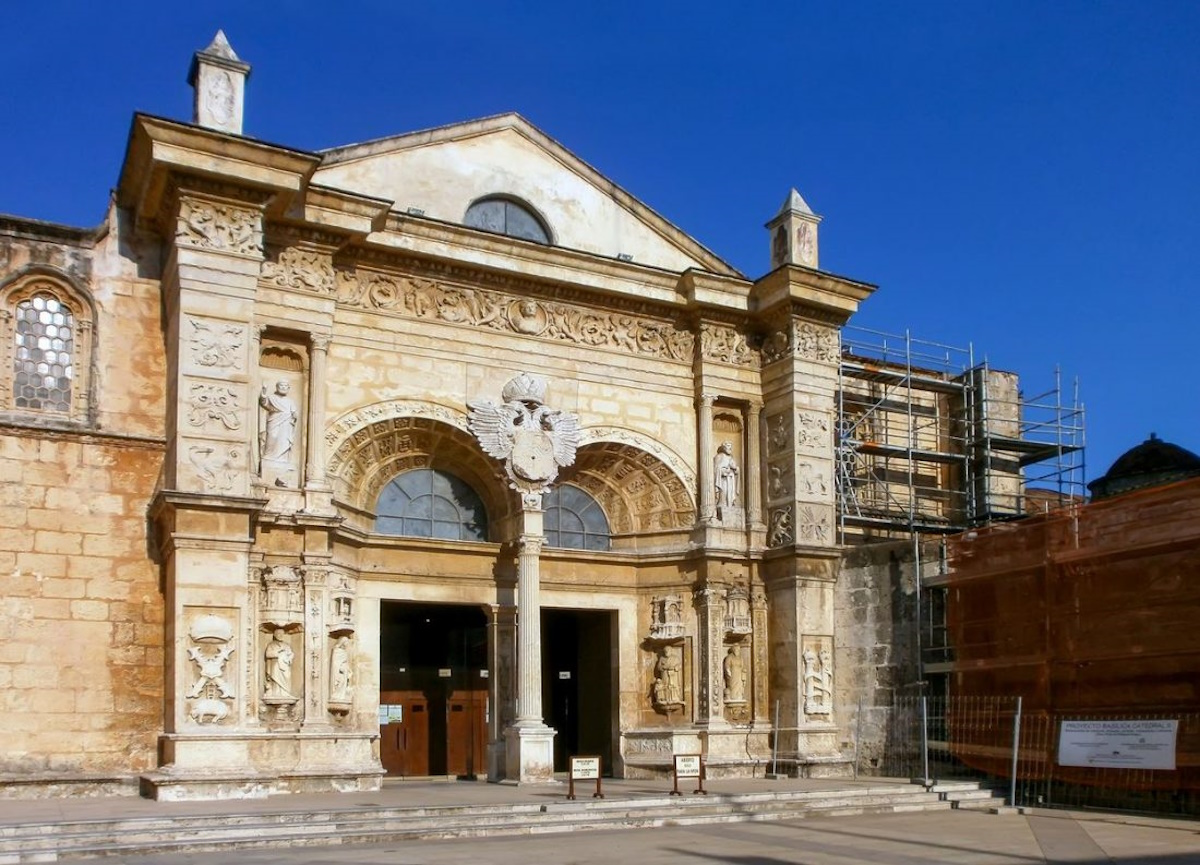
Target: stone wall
875,622
81,610
81,631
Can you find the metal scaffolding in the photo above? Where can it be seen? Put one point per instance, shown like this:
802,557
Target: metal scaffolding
928,441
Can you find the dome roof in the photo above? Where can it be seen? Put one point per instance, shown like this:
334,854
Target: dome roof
1151,463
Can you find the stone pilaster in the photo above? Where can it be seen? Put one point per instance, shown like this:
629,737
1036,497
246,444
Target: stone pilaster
754,481
704,439
318,493
710,614
760,664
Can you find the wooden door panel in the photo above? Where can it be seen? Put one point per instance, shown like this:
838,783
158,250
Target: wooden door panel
404,745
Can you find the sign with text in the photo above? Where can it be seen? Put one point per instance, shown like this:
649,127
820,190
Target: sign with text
585,768
1118,744
687,765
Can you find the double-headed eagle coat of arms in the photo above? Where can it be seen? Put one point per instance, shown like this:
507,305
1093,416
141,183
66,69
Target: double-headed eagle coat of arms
533,441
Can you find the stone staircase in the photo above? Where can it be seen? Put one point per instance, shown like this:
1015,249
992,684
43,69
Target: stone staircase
258,829
969,795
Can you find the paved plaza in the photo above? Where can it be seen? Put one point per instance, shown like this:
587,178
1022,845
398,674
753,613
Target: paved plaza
965,837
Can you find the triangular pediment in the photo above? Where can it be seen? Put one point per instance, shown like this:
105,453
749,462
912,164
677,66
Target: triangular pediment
440,172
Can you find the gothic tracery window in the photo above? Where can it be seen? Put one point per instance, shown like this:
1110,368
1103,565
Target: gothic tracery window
47,342
574,520
427,503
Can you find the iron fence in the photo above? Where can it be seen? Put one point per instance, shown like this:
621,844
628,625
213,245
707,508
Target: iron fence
1026,756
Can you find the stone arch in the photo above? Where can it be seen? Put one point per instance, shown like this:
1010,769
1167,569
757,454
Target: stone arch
370,446
639,490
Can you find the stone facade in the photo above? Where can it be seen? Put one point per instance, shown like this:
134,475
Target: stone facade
220,560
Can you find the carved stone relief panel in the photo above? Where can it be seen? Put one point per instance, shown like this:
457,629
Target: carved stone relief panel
813,432
211,693
213,409
214,467
816,342
214,348
817,658
779,434
666,617
724,344
814,524
780,529
219,227
781,481
299,269
813,480
419,297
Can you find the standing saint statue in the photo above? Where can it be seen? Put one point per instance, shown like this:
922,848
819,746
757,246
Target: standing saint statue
277,667
278,432
725,476
735,675
339,671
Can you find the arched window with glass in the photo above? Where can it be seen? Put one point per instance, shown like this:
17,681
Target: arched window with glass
428,503
47,341
574,520
507,216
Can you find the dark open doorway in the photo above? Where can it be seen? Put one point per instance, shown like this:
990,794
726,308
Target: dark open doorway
432,689
577,683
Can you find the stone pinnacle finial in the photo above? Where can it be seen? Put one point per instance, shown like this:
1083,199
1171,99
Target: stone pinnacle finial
793,233
218,77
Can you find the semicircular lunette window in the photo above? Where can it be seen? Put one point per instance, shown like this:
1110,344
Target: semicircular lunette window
574,520
426,503
505,216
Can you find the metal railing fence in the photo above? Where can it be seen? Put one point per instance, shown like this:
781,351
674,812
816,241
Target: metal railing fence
990,739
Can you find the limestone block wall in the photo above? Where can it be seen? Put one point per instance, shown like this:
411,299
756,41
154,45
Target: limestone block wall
81,617
875,624
81,611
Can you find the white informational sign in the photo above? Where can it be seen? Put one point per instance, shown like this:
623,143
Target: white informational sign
585,768
395,713
383,715
687,765
1118,744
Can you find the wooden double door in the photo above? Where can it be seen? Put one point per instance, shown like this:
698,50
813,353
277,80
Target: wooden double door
433,732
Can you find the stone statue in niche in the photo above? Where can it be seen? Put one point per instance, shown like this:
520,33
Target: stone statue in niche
278,658
277,434
668,682
725,477
735,675
339,671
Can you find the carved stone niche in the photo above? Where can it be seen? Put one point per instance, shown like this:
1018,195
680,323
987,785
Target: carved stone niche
737,612
282,598
666,618
341,612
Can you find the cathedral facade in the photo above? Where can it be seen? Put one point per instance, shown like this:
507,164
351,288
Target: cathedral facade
434,455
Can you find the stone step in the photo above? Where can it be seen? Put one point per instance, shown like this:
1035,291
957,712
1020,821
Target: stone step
251,831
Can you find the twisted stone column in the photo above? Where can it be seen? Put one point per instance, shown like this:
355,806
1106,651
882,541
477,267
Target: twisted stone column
314,467
704,438
754,465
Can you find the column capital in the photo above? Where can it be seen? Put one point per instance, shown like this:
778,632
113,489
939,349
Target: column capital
319,341
707,398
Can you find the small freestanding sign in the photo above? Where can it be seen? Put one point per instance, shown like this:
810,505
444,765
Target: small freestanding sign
584,769
689,766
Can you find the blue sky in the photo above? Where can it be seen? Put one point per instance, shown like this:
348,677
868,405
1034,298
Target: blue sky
1023,177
